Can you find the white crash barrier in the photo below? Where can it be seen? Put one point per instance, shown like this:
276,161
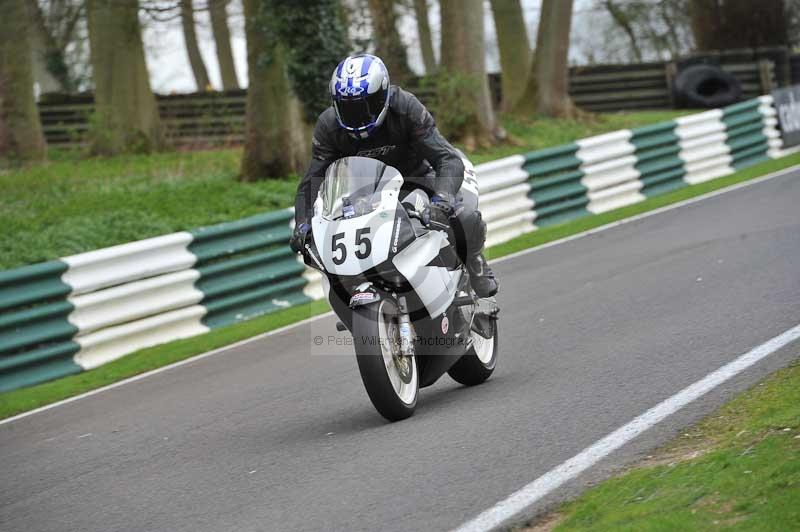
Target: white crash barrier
609,167
128,262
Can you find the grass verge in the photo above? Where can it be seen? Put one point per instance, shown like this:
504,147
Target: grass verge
24,399
72,204
739,469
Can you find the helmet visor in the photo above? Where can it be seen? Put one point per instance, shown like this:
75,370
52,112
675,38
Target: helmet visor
360,112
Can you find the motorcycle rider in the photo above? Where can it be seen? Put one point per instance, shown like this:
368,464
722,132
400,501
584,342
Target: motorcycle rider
371,118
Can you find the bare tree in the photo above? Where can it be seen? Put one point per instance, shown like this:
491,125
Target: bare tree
192,49
425,39
388,45
623,20
222,38
547,88
126,114
463,56
55,27
637,30
515,50
20,130
275,143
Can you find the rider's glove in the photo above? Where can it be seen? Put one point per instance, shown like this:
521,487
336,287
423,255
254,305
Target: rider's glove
298,239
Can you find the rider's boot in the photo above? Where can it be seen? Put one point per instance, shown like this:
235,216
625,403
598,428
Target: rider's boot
481,276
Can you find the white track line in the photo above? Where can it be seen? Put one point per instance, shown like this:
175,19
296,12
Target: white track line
325,315
518,501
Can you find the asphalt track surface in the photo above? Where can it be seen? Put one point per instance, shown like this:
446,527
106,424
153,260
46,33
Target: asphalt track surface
273,436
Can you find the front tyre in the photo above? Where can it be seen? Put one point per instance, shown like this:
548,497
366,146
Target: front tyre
479,362
391,379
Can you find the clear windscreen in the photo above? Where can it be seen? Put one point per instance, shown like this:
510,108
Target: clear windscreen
352,187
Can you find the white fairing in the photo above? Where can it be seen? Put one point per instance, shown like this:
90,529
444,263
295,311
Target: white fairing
436,286
375,227
344,251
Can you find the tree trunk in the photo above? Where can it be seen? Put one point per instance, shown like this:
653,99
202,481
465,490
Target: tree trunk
624,22
126,115
20,131
515,50
731,24
425,39
275,144
388,45
222,38
673,41
706,16
193,51
44,53
463,55
50,37
548,84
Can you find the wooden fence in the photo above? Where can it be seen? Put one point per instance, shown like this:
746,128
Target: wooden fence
188,119
217,118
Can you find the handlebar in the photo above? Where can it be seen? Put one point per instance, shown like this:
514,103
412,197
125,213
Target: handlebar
425,218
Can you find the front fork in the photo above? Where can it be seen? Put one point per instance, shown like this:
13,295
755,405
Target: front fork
406,329
366,294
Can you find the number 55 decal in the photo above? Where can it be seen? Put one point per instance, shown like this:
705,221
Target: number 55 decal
361,239
340,251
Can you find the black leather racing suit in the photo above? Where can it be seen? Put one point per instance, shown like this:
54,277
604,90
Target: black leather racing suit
407,140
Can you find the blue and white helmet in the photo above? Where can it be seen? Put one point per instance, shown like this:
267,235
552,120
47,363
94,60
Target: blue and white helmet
360,92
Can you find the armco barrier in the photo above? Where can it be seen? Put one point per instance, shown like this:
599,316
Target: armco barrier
76,313
609,171
658,162
704,152
82,311
247,269
36,339
505,205
554,176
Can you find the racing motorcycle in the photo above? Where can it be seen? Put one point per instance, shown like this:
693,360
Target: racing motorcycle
394,277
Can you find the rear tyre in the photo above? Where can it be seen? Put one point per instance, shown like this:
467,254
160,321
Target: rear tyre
479,362
391,380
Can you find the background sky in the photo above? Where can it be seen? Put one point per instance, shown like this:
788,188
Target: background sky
170,71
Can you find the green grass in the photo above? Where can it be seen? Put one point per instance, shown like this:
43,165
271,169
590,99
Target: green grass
24,399
737,470
72,205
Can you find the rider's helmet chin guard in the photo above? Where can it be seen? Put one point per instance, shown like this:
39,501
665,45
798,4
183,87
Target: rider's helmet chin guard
360,93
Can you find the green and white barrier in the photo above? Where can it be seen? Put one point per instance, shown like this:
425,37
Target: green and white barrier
82,311
76,313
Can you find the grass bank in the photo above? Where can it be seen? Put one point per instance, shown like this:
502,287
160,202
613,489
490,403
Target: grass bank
25,399
71,205
739,469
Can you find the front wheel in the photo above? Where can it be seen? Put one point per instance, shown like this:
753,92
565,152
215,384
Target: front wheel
391,379
479,362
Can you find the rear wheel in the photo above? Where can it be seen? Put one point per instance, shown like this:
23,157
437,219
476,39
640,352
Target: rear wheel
391,379
479,362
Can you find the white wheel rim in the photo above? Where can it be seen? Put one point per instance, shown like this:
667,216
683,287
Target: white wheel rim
406,391
484,347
